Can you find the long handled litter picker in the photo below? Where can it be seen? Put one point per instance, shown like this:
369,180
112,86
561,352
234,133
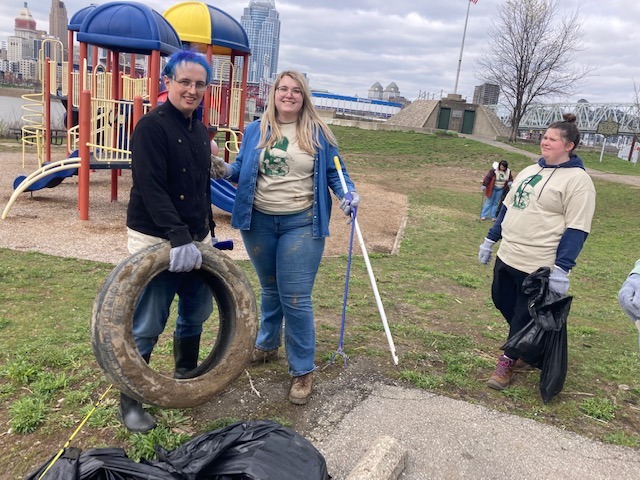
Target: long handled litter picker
372,277
340,350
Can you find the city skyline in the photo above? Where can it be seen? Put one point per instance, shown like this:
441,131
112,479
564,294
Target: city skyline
345,47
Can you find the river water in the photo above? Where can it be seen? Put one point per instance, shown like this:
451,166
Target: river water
11,112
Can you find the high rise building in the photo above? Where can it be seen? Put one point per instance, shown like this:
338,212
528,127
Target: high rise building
58,21
22,45
262,24
486,94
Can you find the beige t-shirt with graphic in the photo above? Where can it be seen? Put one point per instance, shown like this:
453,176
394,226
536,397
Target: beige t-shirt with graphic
542,204
285,176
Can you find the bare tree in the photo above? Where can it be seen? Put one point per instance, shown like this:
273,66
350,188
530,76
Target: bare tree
532,54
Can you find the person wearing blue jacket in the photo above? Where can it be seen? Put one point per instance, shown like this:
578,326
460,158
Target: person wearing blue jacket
284,171
544,222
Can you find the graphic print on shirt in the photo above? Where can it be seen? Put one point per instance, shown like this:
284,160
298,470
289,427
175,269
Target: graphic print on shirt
274,160
523,194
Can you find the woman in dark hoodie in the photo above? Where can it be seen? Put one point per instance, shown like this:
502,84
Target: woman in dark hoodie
544,222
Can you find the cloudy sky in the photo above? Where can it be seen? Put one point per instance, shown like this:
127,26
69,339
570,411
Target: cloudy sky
345,46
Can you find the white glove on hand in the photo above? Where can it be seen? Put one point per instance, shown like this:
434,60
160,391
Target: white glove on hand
484,187
629,298
484,254
350,201
559,281
219,168
185,258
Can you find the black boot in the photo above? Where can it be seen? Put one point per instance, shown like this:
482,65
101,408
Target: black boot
133,416
185,354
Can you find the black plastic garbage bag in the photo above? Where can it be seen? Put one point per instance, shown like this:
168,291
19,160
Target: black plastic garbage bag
256,450
543,341
64,467
98,464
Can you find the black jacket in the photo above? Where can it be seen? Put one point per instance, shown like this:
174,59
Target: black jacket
170,161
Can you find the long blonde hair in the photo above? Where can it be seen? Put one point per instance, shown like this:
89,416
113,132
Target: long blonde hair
309,122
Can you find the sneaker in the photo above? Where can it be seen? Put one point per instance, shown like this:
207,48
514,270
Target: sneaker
483,218
301,389
263,356
501,377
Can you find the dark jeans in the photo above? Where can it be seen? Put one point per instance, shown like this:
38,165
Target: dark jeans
507,296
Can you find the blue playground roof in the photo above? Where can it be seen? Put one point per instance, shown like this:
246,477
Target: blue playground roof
129,27
79,16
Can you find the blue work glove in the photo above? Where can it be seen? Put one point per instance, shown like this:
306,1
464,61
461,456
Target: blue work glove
185,258
484,254
219,168
349,202
559,281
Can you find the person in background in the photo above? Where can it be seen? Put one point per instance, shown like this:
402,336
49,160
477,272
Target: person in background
629,297
544,222
284,171
170,203
493,186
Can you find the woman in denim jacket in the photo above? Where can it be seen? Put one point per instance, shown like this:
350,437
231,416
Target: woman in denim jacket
284,171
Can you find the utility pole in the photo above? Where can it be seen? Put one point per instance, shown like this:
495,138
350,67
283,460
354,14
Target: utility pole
464,33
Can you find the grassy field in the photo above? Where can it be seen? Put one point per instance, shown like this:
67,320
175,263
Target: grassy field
436,295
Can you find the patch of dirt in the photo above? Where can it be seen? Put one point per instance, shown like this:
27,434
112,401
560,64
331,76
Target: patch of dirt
47,220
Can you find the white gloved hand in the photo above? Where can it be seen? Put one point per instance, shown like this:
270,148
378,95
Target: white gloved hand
559,281
484,254
219,168
629,297
350,201
185,258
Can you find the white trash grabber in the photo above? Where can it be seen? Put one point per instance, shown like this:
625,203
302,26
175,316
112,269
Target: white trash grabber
372,278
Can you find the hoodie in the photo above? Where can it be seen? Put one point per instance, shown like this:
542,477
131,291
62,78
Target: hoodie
546,217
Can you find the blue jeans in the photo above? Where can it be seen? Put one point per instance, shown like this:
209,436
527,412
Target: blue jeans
286,258
491,204
195,304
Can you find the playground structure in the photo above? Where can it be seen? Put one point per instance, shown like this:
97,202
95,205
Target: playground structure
105,96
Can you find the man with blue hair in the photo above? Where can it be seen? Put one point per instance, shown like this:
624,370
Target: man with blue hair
170,202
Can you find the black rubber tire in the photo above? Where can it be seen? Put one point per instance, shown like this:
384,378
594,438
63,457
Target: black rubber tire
117,354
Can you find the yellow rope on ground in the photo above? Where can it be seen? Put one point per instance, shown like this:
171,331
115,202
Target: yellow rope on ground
84,420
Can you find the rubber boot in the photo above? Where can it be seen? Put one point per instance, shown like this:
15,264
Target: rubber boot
185,354
133,416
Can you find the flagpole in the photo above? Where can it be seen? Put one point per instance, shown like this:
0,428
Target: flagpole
464,33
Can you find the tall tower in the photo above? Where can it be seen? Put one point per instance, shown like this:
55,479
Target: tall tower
262,24
58,21
22,43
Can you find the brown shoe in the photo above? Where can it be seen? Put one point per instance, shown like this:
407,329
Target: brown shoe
301,389
263,356
522,366
501,377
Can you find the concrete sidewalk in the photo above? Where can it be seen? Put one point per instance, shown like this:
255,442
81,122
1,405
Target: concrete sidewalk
443,438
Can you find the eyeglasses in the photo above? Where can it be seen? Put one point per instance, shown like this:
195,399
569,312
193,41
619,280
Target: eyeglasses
297,92
186,84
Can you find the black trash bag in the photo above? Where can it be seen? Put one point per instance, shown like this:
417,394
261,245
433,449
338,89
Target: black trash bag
64,467
98,464
255,450
528,342
543,341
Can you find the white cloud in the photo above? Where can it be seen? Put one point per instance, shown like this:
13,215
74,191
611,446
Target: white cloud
345,46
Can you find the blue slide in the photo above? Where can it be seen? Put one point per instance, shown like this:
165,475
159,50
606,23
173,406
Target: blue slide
48,180
223,194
